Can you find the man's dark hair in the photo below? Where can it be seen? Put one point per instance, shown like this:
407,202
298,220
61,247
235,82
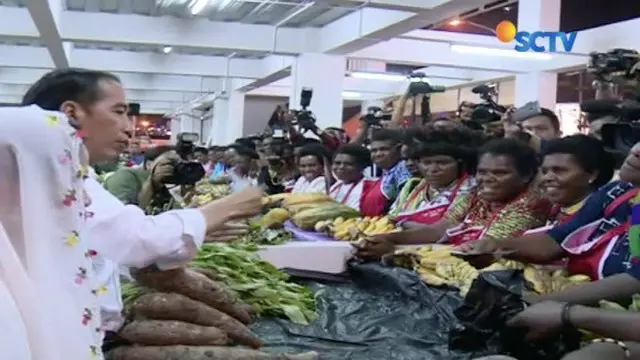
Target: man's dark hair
153,153
360,154
524,157
588,152
200,149
71,84
247,152
391,135
553,118
316,150
247,143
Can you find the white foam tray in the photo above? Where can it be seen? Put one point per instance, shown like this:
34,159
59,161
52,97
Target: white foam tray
328,257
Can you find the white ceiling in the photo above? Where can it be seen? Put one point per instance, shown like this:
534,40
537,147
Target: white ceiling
254,41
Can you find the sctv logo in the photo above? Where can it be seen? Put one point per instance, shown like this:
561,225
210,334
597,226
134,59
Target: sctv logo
537,41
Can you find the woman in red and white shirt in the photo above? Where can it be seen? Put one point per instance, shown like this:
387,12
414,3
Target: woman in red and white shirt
348,167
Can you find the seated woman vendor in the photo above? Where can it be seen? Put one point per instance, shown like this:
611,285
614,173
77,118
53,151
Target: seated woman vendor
348,166
385,153
595,239
502,206
445,167
572,168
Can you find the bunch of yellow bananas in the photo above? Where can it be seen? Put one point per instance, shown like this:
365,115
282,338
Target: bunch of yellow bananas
436,266
356,228
544,281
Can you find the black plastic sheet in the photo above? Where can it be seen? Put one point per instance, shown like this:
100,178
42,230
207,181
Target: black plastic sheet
493,298
384,314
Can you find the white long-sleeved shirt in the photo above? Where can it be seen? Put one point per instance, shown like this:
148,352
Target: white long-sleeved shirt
122,235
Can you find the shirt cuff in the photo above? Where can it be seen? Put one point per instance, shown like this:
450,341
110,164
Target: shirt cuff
193,224
194,228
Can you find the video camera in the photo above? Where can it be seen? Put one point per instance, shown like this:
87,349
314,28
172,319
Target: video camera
621,115
420,86
486,112
304,117
186,171
375,115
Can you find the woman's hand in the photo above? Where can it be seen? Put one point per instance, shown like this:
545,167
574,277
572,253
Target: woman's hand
541,320
374,247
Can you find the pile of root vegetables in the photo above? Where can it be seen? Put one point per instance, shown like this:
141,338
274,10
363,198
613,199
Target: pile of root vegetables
184,314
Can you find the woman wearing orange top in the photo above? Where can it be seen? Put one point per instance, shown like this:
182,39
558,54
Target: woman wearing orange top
502,206
445,166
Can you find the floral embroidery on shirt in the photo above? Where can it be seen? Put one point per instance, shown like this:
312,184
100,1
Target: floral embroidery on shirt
65,158
83,172
72,239
99,290
87,315
90,253
52,120
81,275
80,134
69,198
93,351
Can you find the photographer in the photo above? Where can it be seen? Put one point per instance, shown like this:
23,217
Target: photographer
545,124
94,103
145,186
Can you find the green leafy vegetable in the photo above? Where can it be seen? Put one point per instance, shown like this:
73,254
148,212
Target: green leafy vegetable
257,282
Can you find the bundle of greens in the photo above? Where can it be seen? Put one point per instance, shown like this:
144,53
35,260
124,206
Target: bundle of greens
265,288
261,236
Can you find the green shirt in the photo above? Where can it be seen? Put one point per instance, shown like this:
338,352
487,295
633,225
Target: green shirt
126,183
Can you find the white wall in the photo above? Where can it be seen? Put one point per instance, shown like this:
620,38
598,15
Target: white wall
257,111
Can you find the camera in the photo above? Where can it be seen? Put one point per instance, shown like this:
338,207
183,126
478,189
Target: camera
621,128
419,85
485,112
305,118
614,64
186,171
374,116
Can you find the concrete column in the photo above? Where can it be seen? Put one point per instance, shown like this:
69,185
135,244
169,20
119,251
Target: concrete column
325,75
228,116
537,15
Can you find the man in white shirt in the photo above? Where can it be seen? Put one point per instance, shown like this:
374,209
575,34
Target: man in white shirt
121,234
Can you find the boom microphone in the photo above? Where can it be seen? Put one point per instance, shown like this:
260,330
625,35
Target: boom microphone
626,109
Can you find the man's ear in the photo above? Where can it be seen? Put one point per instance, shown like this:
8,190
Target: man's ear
73,111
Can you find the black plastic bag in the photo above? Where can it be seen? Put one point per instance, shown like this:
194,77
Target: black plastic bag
495,297
384,313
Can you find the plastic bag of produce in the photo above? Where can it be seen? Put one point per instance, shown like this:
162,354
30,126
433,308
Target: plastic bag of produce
495,297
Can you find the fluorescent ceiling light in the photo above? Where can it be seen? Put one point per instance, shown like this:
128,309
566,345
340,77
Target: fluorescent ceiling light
197,6
351,94
167,49
481,50
378,76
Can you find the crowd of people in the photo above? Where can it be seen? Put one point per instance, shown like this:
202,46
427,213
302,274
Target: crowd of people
521,187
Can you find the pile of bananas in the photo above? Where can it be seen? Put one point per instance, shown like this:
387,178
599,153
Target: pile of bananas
356,228
436,266
610,305
544,281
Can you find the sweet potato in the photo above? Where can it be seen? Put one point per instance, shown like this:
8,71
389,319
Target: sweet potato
200,353
196,286
163,306
169,332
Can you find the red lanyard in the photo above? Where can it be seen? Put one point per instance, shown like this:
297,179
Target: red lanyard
454,191
346,196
